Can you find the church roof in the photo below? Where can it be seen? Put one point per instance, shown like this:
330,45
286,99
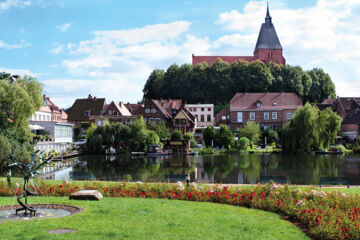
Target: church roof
268,38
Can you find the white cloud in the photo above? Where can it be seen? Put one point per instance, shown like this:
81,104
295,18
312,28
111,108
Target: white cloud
14,3
19,45
317,36
21,72
64,27
58,49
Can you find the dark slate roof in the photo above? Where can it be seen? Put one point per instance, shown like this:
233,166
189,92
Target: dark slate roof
94,105
268,38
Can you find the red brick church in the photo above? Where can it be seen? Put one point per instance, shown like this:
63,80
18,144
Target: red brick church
267,49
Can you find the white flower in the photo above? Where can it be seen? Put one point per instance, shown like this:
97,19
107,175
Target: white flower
3,180
17,185
300,203
180,186
139,182
274,186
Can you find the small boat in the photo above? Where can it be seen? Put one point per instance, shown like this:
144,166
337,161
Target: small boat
110,151
154,150
138,153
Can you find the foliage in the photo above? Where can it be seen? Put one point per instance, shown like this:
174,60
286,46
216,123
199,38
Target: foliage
209,135
271,136
189,136
219,82
76,131
177,135
332,215
136,136
224,137
160,129
251,130
18,102
310,129
243,143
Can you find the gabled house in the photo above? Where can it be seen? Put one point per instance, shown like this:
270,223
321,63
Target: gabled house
268,109
223,117
184,121
84,108
153,111
114,112
134,108
349,109
58,115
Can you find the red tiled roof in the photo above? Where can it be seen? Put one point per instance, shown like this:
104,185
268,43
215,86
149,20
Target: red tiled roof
212,59
169,104
245,101
135,109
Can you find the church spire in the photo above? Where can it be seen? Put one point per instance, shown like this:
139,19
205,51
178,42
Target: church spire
267,18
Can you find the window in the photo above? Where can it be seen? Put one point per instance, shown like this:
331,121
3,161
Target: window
289,115
151,120
252,116
48,118
194,109
202,118
274,115
240,117
223,117
157,120
266,116
209,118
258,104
202,109
110,112
87,113
180,121
145,120
153,110
209,109
147,110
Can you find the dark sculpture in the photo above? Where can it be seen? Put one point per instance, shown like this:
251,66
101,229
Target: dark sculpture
29,170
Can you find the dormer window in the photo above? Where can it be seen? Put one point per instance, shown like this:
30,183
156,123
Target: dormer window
258,104
87,113
274,103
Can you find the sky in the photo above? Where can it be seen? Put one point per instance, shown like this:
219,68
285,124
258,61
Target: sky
108,48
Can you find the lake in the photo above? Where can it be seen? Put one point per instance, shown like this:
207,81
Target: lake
227,168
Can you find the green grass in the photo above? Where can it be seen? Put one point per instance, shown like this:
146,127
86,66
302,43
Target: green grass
126,218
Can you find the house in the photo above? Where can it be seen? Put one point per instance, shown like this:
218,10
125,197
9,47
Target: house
223,117
84,108
204,113
113,112
267,48
268,109
161,110
51,121
184,121
349,109
134,109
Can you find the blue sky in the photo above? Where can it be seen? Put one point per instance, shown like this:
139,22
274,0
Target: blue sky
108,47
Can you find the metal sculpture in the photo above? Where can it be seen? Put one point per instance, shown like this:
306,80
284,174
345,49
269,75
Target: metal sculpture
29,170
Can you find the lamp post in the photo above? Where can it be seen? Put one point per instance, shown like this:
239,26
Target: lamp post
187,178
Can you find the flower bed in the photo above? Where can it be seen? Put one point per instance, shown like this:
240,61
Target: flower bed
326,215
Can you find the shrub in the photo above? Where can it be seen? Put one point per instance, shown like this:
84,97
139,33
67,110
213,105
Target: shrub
340,148
243,143
177,135
190,137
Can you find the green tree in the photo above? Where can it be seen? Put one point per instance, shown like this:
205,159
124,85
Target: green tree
152,138
18,101
209,135
328,125
270,135
160,129
138,135
177,135
243,143
224,137
189,136
251,131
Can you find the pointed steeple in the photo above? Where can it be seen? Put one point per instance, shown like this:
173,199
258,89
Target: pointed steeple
268,38
268,17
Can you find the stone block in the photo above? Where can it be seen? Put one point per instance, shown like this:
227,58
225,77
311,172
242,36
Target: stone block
86,195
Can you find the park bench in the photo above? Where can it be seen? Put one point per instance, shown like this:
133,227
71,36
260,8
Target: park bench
275,179
334,180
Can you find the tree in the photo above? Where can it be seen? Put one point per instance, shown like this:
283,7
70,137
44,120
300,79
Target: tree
270,135
18,102
209,135
189,136
310,129
177,135
224,137
251,131
152,138
160,129
138,135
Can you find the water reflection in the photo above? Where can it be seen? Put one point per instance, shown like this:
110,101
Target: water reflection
227,168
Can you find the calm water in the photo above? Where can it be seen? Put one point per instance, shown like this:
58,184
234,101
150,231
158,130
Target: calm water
227,168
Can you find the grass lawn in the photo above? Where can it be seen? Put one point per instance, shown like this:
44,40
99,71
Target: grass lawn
132,218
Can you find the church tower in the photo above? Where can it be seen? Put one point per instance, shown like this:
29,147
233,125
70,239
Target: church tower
268,47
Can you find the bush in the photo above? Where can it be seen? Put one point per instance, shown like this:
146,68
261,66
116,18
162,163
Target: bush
243,143
271,136
209,135
340,148
224,137
177,135
189,136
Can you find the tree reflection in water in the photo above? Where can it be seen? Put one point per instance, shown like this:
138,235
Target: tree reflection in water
226,168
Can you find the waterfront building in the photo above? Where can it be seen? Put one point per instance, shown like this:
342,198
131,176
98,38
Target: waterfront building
204,114
267,48
268,109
